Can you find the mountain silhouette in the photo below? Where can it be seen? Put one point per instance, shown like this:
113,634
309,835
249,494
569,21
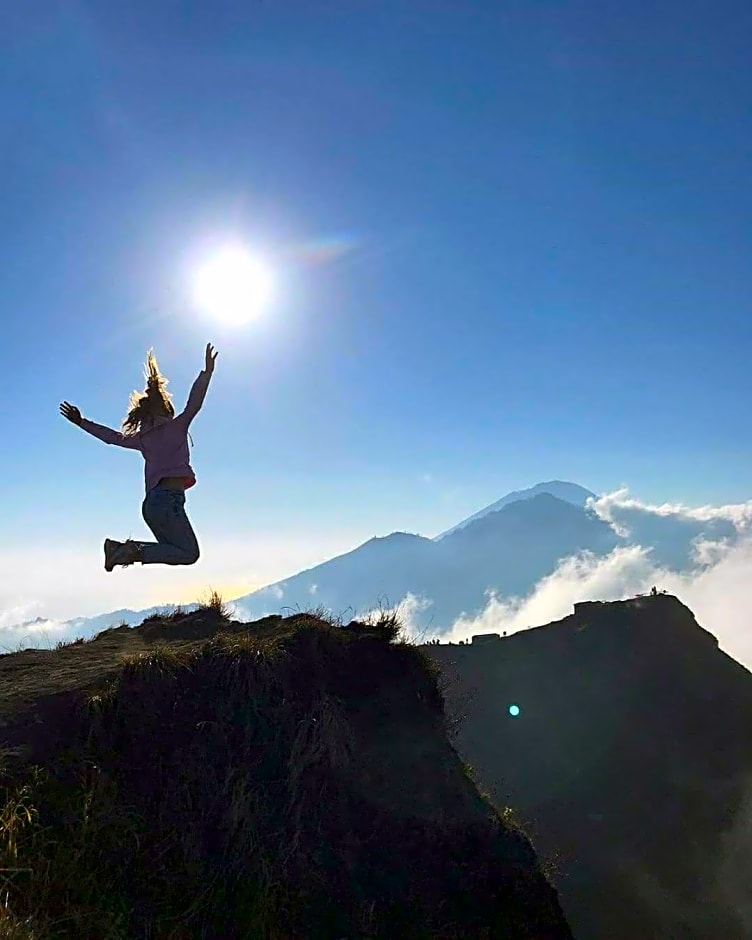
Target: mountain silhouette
504,549
507,551
570,492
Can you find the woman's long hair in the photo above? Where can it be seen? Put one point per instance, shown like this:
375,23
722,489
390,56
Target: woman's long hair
154,400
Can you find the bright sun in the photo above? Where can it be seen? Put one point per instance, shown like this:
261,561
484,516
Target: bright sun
233,286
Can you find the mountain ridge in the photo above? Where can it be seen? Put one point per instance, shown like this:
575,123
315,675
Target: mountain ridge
561,489
507,550
505,553
100,621
628,758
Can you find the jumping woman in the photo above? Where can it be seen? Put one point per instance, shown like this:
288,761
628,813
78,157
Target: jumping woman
152,428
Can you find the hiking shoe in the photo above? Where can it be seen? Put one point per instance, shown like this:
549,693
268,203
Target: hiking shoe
110,551
128,552
120,553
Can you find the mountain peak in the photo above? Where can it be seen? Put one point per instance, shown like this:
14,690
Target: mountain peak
561,489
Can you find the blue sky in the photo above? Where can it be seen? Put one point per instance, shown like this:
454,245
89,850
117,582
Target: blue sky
542,214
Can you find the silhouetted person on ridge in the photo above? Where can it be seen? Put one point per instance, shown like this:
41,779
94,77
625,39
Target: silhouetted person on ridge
152,428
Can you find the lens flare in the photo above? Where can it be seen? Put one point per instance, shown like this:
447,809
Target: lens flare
322,251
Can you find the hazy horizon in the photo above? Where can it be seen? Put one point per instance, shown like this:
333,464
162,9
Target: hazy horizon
712,584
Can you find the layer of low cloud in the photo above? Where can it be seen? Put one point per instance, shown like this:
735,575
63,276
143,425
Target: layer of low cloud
20,629
714,587
616,507
718,594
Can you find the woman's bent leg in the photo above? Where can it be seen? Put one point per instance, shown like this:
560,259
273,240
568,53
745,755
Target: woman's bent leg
164,512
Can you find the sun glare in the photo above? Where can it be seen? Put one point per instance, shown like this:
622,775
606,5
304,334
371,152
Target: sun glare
233,286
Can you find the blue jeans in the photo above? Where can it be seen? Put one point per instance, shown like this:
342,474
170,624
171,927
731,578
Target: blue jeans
164,512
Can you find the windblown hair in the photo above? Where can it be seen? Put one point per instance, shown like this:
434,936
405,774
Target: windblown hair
154,400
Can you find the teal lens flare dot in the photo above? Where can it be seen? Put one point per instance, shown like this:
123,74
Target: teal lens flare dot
514,710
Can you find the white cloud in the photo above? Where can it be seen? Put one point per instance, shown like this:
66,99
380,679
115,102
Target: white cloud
407,610
611,505
581,577
23,625
41,633
718,595
708,552
237,611
18,612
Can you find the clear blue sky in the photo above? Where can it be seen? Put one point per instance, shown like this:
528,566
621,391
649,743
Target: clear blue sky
547,216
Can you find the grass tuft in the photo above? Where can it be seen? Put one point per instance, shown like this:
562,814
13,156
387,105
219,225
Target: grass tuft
214,602
167,614
62,644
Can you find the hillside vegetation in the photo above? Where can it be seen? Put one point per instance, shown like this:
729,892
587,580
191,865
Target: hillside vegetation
200,778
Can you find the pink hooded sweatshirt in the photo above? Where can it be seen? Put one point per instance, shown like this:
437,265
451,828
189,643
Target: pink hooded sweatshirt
165,447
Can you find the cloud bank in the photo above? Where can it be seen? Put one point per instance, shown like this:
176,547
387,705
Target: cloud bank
717,587
619,507
19,629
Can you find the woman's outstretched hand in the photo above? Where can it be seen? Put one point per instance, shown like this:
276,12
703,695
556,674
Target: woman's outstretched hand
70,412
211,355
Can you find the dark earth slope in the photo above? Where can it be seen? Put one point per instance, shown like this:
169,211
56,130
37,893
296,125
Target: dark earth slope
197,778
630,763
